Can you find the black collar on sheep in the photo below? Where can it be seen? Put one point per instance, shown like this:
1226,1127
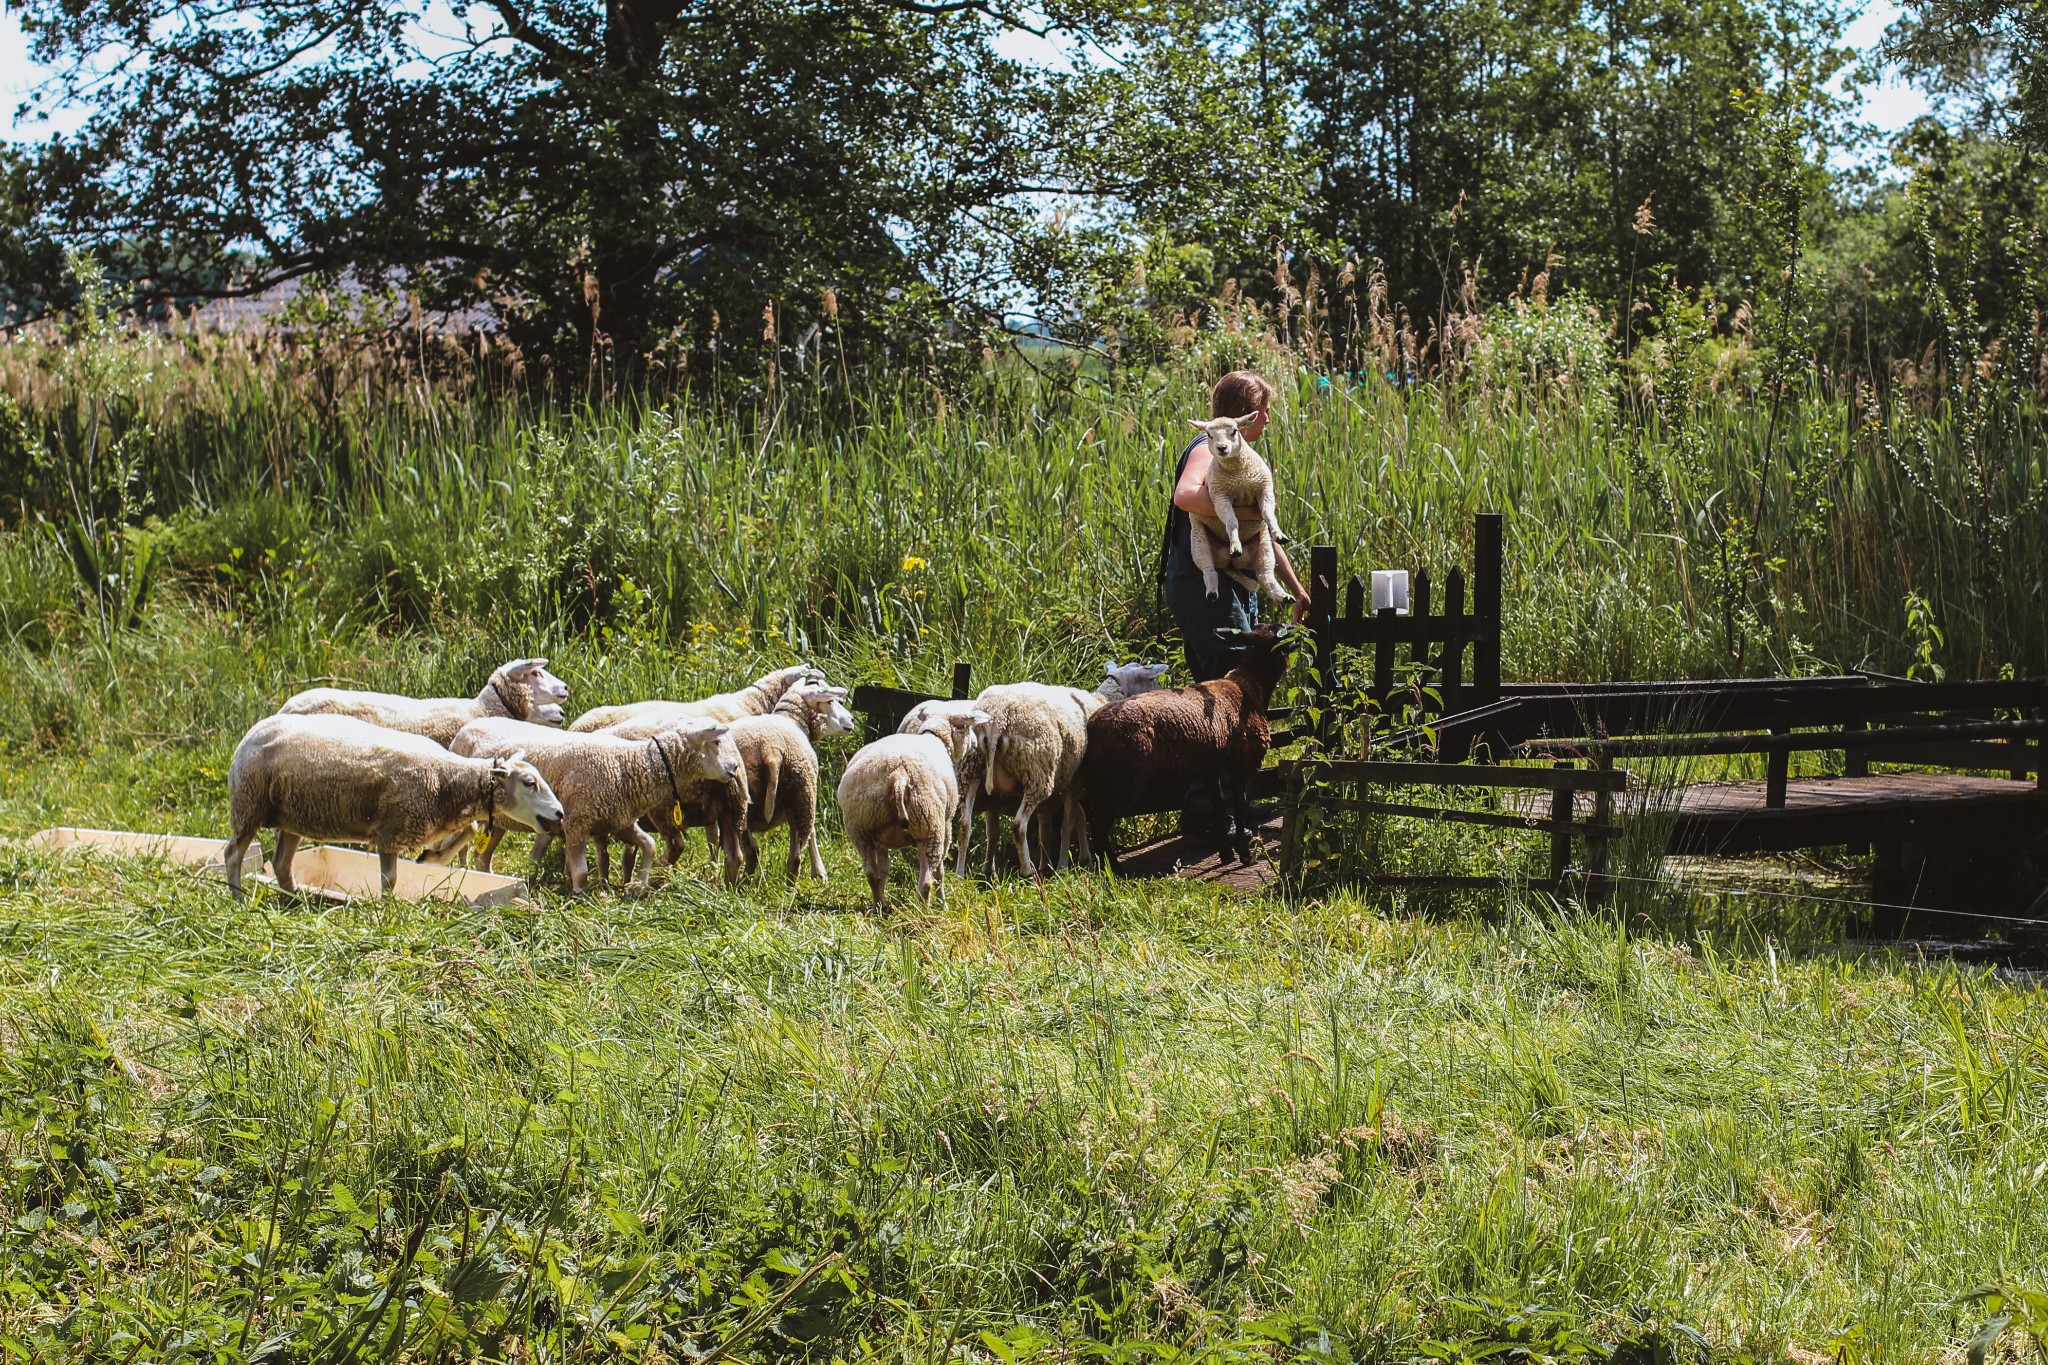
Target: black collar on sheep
502,702
675,787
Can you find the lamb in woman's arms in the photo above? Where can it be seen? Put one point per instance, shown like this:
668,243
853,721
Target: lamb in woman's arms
1238,476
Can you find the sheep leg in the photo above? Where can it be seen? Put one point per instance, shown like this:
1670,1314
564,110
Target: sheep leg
483,860
281,859
1022,829
604,859
817,857
387,869
1225,849
664,823
966,828
1268,513
1203,551
728,832
1226,512
875,862
926,864
637,839
234,853
1241,806
1262,563
579,866
750,848
989,822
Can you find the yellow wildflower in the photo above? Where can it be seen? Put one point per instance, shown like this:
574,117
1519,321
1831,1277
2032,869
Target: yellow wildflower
911,563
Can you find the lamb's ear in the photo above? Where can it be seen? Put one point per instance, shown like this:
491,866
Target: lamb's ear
524,668
1198,426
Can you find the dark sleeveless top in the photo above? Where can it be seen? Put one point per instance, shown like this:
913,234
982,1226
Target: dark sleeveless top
1175,556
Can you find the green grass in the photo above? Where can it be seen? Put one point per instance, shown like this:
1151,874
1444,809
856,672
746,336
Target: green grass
1133,1120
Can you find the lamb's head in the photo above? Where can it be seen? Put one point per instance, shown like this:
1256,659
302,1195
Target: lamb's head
827,706
525,690
1131,679
523,795
702,751
1227,442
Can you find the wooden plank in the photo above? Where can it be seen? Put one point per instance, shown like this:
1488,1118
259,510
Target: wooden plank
963,680
1322,613
1396,773
1781,741
1418,649
1451,814
1957,754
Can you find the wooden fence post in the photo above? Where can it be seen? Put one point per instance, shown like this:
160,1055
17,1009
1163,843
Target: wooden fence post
1451,663
1780,763
1486,570
963,674
1561,835
1597,885
1322,611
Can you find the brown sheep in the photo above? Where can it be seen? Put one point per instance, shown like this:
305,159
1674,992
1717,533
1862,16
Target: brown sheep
1165,741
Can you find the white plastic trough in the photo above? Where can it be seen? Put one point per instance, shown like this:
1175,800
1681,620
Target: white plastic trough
339,874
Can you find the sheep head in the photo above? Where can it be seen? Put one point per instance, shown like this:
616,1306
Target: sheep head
702,751
828,707
1227,441
523,795
1133,679
543,692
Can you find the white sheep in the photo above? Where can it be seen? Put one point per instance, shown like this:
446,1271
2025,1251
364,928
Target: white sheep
605,783
782,769
716,802
900,792
757,698
1032,743
522,689
336,777
1238,476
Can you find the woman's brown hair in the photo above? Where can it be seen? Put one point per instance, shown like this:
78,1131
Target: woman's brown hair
1239,394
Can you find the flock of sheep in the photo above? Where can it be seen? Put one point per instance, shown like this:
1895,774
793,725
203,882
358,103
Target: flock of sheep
406,774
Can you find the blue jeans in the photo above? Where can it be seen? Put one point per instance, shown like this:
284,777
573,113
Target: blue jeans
1235,607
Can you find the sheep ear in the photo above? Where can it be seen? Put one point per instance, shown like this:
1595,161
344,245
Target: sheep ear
524,668
1198,426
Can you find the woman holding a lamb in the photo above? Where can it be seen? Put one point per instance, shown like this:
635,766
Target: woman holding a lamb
1248,399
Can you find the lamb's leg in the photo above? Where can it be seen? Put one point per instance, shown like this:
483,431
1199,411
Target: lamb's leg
638,839
604,859
281,859
1262,561
541,840
664,823
1226,512
573,855
750,849
387,869
924,873
237,850
1268,513
1203,551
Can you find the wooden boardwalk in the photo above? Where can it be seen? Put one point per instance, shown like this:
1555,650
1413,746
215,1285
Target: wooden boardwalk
1196,860
1732,817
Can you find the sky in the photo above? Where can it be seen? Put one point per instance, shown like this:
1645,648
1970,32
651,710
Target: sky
1890,105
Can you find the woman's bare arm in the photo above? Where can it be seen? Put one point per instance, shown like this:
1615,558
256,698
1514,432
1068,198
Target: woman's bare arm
1283,569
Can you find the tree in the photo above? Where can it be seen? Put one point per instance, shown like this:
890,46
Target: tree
615,177
1622,139
1988,56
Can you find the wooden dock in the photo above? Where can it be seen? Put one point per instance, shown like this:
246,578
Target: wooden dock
1734,817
